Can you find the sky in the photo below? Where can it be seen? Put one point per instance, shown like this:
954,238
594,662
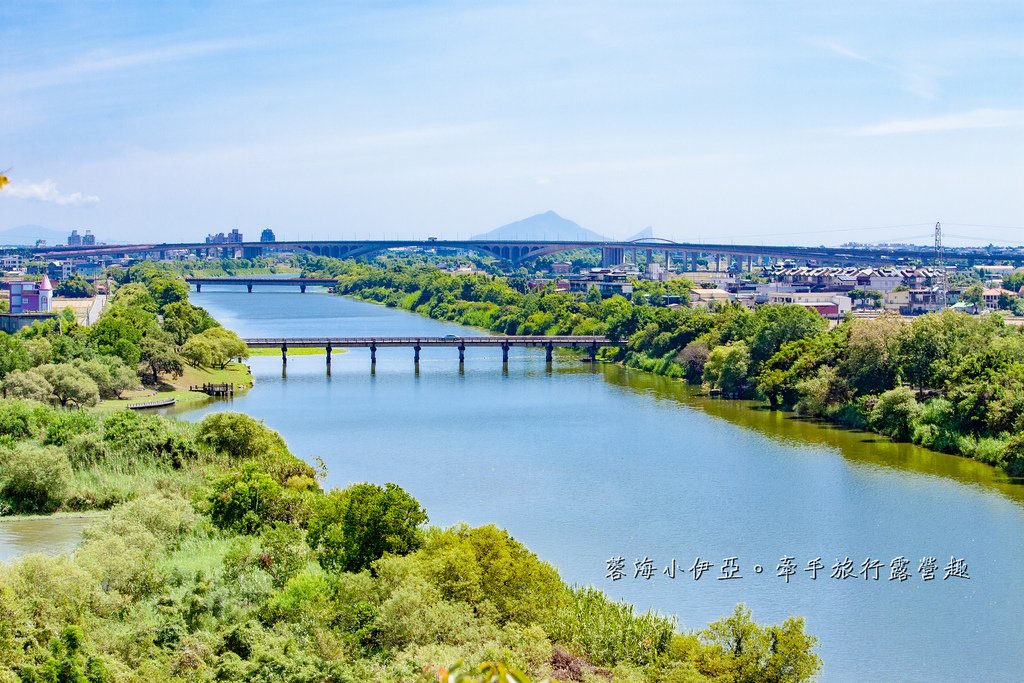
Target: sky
746,122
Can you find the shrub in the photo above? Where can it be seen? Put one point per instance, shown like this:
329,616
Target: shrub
240,436
67,425
894,413
246,501
1012,459
350,529
283,551
486,565
16,419
35,478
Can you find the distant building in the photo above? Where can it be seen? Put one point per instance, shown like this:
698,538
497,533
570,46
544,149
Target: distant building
86,240
828,304
56,270
11,261
89,269
32,297
233,237
991,296
561,267
267,235
607,281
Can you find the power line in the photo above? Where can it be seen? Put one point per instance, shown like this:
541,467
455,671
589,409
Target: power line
980,225
818,232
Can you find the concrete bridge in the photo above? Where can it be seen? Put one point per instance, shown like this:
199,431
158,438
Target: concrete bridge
519,251
592,343
249,282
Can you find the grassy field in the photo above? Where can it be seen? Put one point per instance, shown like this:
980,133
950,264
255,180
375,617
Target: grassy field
235,373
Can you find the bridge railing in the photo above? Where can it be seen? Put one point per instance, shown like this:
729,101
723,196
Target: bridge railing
512,340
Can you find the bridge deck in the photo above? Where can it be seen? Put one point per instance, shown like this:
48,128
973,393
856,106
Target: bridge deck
240,280
367,342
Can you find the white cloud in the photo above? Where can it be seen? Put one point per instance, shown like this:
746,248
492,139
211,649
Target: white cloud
46,191
842,51
914,79
106,61
978,118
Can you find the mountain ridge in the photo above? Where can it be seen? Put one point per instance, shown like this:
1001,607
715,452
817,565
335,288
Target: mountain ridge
542,226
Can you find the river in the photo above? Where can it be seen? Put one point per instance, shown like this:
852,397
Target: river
584,464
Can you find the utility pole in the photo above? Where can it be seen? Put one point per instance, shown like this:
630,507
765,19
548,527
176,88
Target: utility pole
943,284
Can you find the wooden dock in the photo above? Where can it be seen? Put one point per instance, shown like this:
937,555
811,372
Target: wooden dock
218,390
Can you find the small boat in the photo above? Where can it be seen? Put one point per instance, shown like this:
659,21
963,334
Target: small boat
162,403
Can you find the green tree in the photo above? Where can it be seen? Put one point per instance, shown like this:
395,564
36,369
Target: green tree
70,385
223,345
871,362
198,351
75,287
756,654
13,355
116,335
182,320
159,356
775,324
726,367
974,295
28,384
351,529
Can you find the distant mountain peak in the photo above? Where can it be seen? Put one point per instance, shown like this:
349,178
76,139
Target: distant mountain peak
26,235
542,226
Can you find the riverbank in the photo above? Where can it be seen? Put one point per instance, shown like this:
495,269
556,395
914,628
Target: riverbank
236,374
224,534
645,468
948,381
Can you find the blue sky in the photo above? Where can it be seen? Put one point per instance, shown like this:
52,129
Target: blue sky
789,122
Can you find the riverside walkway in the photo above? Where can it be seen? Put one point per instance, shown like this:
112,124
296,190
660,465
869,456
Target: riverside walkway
417,343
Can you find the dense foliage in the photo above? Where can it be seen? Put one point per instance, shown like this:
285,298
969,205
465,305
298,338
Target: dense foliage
221,558
948,381
149,331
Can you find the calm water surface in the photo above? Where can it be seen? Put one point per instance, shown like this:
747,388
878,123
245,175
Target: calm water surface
584,464
49,535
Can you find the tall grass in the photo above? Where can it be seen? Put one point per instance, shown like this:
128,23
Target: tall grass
610,632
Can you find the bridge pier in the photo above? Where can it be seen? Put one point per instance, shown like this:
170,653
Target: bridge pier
199,288
373,355
593,353
302,289
284,354
548,352
416,354
462,353
504,352
249,287
329,356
